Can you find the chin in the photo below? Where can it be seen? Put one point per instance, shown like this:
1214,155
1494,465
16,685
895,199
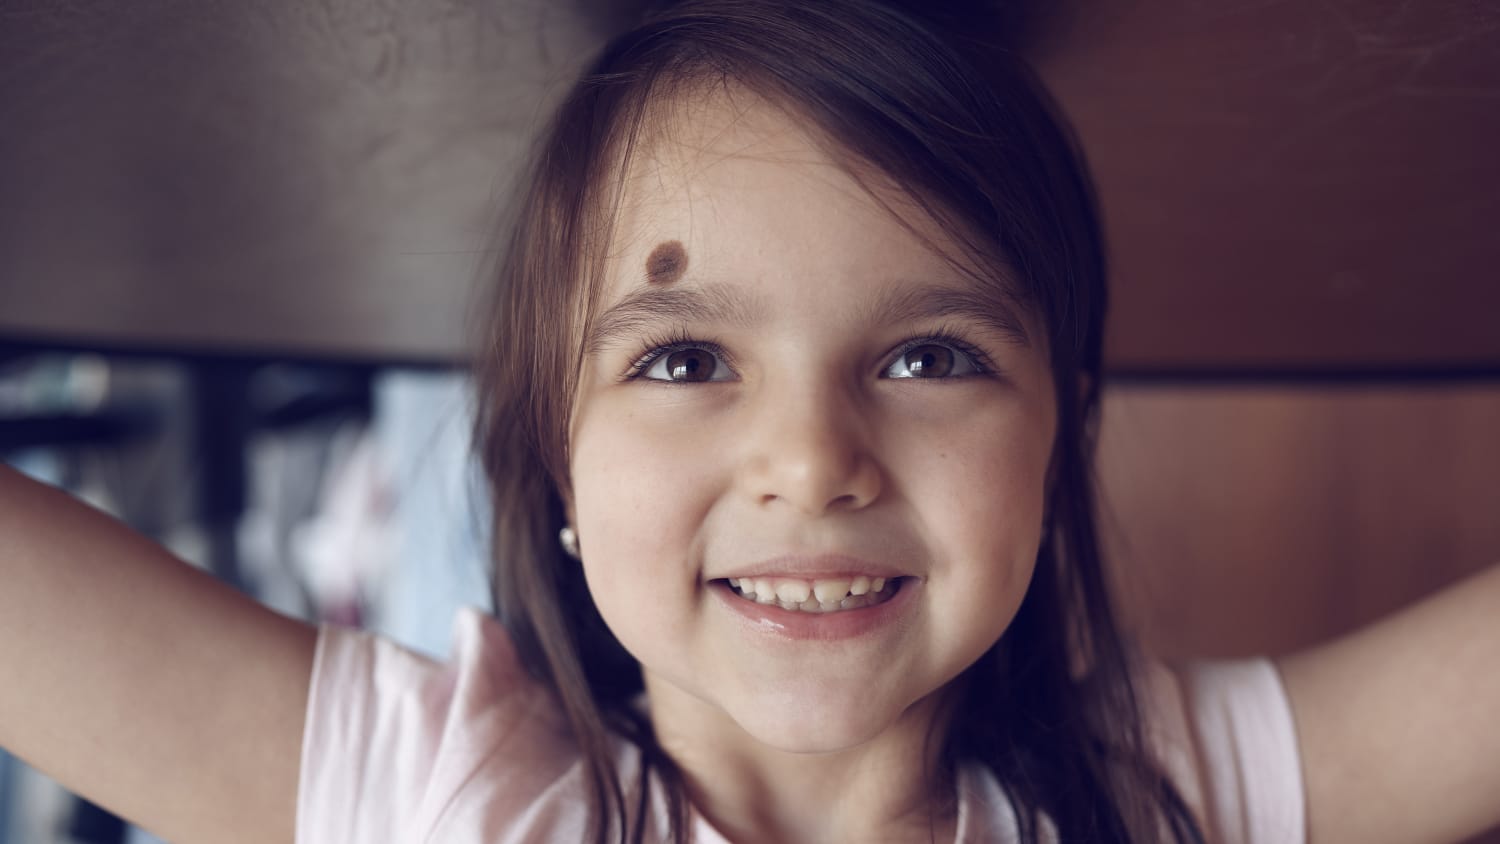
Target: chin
796,718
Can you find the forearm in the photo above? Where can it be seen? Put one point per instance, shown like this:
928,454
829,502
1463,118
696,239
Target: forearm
77,587
123,663
1398,722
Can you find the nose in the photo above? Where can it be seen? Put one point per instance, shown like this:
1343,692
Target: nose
811,448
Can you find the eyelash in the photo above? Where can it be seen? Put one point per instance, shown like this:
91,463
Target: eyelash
946,337
656,347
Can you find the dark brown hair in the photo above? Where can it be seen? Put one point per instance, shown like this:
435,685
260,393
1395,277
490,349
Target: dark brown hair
964,128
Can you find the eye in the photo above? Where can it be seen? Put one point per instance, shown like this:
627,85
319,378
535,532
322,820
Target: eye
929,358
684,364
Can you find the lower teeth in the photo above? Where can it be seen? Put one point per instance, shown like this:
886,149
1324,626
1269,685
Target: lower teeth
812,605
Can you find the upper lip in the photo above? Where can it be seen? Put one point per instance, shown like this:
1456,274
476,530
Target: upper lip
814,567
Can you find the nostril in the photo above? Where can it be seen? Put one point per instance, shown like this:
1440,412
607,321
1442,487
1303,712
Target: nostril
813,478
847,501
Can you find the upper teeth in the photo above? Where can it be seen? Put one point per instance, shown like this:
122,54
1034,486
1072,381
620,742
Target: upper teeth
788,590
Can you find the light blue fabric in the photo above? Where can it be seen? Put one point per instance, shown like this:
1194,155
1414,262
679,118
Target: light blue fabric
422,425
140,836
7,800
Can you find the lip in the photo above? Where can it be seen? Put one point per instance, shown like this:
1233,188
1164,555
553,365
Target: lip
815,567
769,619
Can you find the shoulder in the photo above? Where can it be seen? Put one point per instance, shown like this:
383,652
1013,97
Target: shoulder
1224,732
397,741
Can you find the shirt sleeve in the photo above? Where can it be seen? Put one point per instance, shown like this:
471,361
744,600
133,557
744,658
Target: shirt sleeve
1232,747
370,740
398,747
1226,734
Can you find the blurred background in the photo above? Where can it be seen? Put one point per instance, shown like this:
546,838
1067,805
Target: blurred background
240,244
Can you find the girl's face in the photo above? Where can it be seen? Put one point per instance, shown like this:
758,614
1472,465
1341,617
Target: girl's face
787,393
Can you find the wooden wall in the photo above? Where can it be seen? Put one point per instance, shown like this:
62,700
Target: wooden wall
1251,519
1287,185
1291,185
1261,519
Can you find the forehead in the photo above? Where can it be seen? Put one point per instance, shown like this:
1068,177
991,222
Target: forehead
726,186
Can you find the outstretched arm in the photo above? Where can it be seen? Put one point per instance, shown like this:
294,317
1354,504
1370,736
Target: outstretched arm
1399,723
142,683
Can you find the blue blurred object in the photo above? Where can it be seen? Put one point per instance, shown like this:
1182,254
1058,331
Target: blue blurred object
422,425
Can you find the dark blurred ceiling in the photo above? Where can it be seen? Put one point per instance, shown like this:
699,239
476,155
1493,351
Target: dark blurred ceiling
266,176
1290,187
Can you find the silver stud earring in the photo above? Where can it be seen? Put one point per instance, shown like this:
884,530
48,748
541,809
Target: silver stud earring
568,538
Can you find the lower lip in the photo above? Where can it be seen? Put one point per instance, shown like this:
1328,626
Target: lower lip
845,624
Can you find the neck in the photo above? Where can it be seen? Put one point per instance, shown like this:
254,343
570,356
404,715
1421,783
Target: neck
890,788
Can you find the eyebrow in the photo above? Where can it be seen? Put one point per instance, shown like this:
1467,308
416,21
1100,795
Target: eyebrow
992,310
726,306
656,305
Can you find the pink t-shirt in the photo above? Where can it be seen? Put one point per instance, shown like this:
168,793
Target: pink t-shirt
399,748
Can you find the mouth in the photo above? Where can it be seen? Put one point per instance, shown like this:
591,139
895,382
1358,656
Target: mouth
820,596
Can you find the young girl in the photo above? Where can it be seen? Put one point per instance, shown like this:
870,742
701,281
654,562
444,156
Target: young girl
788,406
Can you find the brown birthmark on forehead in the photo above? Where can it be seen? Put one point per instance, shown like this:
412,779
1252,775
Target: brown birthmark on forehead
666,263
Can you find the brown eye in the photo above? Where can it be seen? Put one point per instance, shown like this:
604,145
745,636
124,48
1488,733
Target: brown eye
685,362
691,365
929,361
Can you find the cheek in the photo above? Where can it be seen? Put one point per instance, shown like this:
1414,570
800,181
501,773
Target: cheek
987,477
637,498
979,497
